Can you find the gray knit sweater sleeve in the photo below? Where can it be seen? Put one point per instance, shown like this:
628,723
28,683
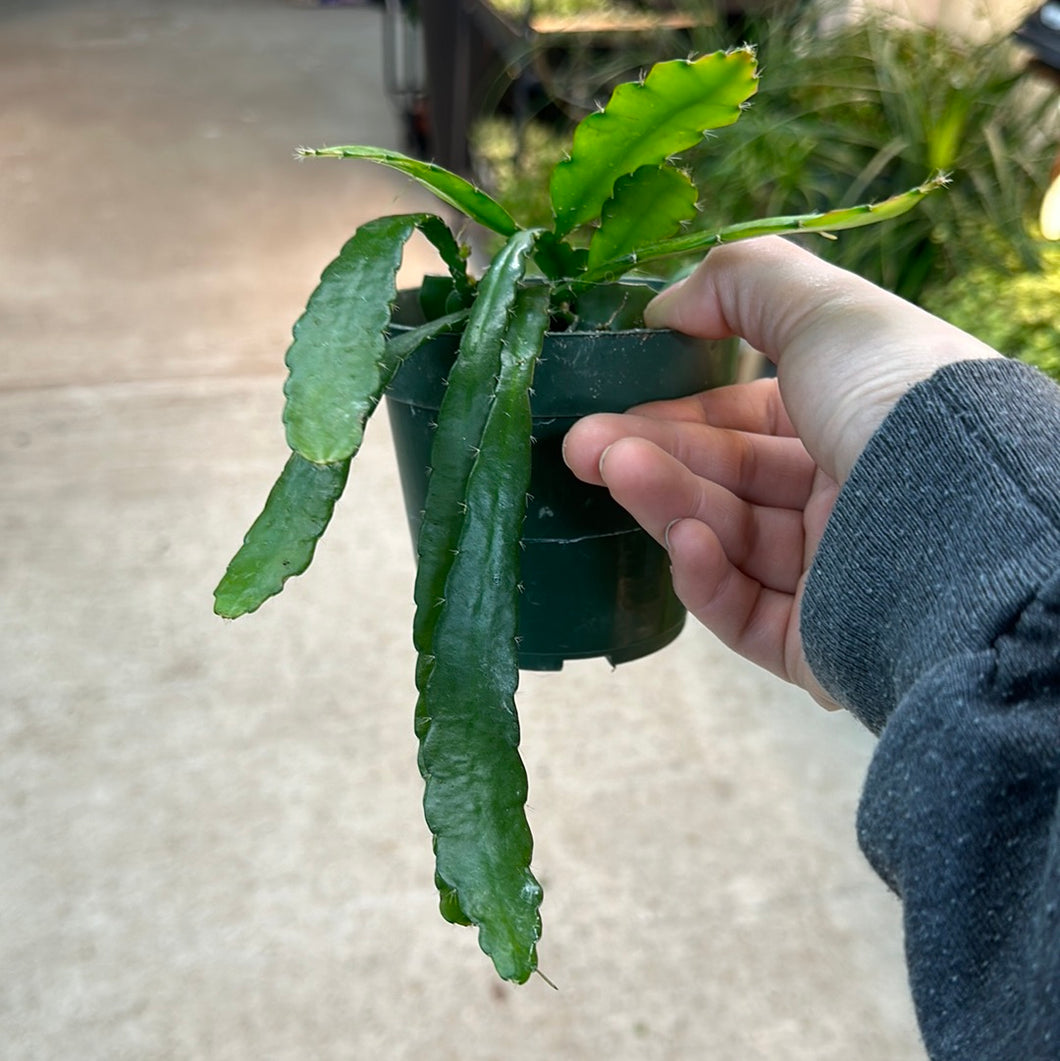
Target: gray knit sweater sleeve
932,612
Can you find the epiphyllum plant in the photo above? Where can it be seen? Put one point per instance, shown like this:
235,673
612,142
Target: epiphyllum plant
620,201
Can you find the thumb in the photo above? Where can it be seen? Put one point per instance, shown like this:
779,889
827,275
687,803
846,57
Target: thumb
845,350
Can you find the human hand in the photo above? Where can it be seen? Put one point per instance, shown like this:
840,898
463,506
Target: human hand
738,483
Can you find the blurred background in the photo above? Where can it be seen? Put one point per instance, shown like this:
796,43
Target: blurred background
211,843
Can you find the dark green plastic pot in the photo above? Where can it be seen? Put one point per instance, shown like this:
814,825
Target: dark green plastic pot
594,583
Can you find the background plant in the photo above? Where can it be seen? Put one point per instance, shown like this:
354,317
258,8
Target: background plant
1015,311
858,110
849,110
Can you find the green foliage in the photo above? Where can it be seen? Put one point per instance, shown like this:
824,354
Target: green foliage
828,222
643,125
670,111
461,422
339,363
618,200
449,187
865,109
282,539
647,205
1016,311
475,783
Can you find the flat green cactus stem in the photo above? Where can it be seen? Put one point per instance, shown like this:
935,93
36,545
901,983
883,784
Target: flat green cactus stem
647,205
645,123
447,186
467,603
337,362
281,542
790,225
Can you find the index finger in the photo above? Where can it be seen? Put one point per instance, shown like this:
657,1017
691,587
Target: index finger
755,407
761,469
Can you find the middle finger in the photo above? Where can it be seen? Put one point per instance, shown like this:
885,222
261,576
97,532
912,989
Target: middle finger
764,542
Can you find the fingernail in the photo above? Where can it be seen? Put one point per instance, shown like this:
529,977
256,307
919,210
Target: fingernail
655,312
666,533
600,462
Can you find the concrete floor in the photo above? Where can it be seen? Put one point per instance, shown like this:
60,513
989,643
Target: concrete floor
211,844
